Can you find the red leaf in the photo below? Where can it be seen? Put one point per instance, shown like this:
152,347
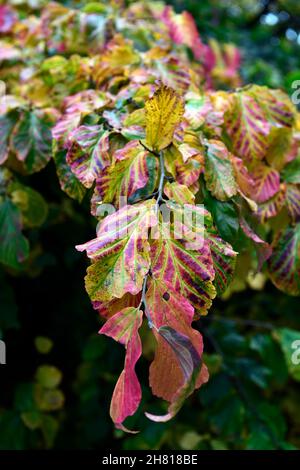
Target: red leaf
123,327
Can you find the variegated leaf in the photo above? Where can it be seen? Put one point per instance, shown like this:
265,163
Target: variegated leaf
284,264
120,253
263,249
272,207
88,152
69,183
181,257
243,177
7,123
31,140
219,173
123,327
179,193
252,114
266,182
126,175
293,201
179,347
164,112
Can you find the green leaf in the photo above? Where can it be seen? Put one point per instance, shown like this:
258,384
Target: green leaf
225,217
48,376
7,123
289,341
32,205
31,140
14,247
219,172
271,355
31,419
69,183
291,173
49,399
50,427
43,344
284,264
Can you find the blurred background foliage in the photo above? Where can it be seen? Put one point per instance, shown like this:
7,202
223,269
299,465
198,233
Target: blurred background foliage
59,377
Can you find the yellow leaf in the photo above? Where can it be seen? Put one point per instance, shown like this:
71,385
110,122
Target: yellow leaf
164,112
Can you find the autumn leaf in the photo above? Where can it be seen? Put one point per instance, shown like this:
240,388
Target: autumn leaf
266,182
181,257
284,264
31,140
88,152
164,112
253,113
263,249
123,327
120,253
179,347
293,201
7,123
179,193
219,172
272,206
127,174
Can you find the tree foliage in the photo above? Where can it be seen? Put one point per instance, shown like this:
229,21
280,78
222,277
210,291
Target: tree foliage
147,122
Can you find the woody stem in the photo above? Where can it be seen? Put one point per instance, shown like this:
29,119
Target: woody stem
159,198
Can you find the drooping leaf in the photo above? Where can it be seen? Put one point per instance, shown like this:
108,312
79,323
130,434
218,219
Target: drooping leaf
31,140
219,173
284,264
123,327
120,253
179,348
14,247
164,112
263,249
88,153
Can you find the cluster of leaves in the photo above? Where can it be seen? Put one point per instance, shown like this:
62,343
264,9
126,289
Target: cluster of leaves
124,100
259,28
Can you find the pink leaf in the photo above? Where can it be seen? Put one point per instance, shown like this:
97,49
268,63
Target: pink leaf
123,327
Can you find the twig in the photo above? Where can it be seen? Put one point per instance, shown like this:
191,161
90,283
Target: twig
159,198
